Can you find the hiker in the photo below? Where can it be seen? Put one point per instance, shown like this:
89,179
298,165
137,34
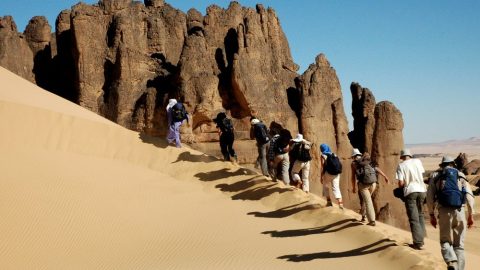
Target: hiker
278,155
176,114
227,136
300,156
365,173
410,177
330,176
449,191
259,132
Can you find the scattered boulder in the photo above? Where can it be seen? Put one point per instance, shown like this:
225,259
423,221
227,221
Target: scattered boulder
473,167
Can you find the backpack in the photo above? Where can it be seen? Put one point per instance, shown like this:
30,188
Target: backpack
448,192
304,153
260,132
365,173
333,165
178,112
226,125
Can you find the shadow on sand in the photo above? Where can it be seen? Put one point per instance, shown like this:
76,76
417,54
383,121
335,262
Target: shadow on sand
334,227
158,142
187,156
368,249
221,174
287,211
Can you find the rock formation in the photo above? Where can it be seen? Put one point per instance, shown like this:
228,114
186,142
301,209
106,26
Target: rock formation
15,54
386,146
124,59
322,117
363,109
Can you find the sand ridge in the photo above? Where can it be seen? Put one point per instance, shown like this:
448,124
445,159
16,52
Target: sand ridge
79,192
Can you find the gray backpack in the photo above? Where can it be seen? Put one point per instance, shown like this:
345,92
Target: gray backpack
365,173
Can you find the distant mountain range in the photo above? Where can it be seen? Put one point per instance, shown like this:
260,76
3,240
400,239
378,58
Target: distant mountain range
453,147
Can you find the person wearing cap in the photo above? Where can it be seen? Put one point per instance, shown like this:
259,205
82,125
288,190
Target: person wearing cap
259,132
451,220
328,180
365,190
173,134
410,177
301,161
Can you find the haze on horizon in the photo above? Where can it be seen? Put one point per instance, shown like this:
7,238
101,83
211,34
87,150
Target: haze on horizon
422,56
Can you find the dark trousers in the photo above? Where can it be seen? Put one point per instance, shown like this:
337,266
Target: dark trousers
226,145
413,203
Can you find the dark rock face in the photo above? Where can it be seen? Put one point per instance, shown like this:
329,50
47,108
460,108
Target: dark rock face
363,109
38,34
15,54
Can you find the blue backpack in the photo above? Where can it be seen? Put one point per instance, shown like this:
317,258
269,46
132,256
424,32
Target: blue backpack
448,192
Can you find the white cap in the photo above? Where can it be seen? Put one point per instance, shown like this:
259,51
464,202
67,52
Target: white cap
356,152
254,121
299,138
405,152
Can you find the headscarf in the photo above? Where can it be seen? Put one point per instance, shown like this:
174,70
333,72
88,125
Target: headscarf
325,149
171,103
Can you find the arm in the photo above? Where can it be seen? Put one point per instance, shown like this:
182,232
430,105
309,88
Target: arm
431,191
470,204
322,162
382,174
354,182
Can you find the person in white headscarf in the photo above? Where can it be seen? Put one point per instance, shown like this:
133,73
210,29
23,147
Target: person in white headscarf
173,123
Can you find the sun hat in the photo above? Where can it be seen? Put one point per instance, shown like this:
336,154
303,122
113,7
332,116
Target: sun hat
446,160
325,149
356,152
299,138
405,152
254,121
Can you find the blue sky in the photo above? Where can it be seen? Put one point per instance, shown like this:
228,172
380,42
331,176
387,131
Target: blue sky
424,56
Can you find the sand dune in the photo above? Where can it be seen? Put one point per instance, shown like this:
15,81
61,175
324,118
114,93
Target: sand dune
80,192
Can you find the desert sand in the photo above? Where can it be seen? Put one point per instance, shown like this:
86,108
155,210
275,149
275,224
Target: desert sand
80,192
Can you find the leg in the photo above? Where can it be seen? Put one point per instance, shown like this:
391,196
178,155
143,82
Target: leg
336,190
363,209
223,147
413,218
305,175
285,167
459,229
178,143
445,220
262,156
367,201
230,140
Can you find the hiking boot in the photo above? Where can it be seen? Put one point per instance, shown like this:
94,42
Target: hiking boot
452,265
371,223
340,206
417,246
364,218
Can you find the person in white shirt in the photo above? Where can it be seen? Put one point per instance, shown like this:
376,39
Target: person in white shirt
410,176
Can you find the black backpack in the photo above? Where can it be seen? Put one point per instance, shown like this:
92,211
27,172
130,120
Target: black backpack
178,112
365,172
303,154
448,192
261,133
226,125
333,165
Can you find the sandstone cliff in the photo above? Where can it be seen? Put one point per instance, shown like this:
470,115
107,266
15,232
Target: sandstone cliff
124,59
